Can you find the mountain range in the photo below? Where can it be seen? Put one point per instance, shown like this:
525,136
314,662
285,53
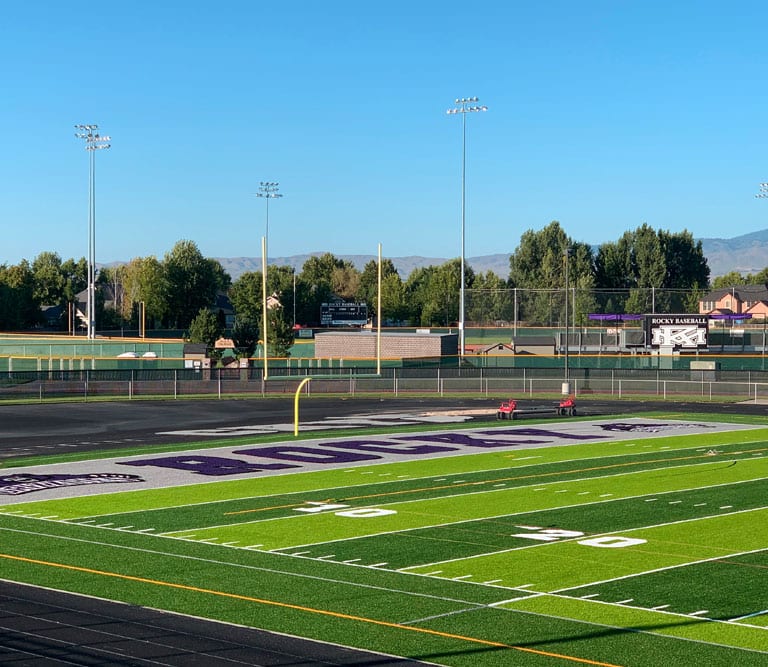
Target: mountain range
745,254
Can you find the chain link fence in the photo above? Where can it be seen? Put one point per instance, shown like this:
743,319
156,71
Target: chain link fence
93,385
546,307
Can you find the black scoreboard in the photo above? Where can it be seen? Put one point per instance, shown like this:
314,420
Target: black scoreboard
680,332
342,314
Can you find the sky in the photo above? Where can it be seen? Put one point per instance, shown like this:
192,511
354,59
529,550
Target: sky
602,115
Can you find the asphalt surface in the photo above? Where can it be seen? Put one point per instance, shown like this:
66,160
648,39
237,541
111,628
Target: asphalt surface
40,429
40,627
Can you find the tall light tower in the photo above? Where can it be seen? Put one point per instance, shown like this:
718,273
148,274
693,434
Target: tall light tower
464,106
763,194
566,377
93,142
267,190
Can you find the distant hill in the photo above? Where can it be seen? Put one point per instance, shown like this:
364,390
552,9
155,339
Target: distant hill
745,254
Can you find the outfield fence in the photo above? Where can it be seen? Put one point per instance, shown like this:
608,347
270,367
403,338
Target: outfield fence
85,385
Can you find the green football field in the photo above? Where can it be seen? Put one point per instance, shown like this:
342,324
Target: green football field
649,551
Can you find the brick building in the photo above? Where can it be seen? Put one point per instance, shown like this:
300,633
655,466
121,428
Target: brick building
361,344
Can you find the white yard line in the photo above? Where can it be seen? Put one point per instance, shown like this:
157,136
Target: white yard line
665,568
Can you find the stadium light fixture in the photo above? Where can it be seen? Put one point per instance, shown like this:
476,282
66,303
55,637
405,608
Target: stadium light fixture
268,190
763,194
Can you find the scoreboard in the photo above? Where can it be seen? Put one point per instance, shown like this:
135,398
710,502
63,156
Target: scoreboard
342,314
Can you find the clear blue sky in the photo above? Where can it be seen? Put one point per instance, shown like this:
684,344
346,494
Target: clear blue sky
602,115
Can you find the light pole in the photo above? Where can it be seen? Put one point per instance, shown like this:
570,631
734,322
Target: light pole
566,378
763,194
464,105
93,142
267,190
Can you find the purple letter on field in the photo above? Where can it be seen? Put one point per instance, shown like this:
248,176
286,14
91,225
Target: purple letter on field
208,465
544,433
469,441
307,454
388,447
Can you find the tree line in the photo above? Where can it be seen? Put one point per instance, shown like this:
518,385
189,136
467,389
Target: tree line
180,291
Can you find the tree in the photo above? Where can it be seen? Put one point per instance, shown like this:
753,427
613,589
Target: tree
246,295
245,335
685,261
433,293
538,266
759,278
280,282
279,332
687,268
393,306
205,328
18,307
49,279
192,281
730,279
489,301
369,285
416,295
345,282
144,281
316,285
75,274
691,300
582,283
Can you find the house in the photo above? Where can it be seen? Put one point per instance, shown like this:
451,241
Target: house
736,300
104,293
497,349
223,310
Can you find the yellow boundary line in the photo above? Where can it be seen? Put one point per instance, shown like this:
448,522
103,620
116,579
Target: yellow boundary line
311,610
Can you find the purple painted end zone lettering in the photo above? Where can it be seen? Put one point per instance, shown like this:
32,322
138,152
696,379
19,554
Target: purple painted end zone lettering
469,441
389,447
544,433
307,454
214,466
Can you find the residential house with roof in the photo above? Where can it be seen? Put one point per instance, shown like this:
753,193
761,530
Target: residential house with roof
736,300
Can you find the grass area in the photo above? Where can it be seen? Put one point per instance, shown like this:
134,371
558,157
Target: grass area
640,551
